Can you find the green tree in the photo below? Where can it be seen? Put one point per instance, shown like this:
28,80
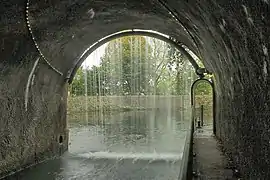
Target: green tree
124,65
135,65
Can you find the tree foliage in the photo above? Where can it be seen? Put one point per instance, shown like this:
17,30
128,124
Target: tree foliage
136,65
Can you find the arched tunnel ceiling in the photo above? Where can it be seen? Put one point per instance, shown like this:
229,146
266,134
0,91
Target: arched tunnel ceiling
232,37
63,30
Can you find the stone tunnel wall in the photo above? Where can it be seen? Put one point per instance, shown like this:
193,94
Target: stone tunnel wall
232,38
33,110
243,82
32,98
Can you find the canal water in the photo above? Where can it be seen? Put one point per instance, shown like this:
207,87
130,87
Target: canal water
132,145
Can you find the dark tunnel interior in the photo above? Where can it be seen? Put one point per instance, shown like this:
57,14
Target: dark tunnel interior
42,42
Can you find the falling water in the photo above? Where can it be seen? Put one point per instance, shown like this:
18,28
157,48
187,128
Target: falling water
119,70
144,69
141,90
86,94
153,77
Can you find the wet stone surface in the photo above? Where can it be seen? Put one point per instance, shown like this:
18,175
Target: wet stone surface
209,163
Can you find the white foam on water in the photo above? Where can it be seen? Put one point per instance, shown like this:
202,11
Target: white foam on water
133,156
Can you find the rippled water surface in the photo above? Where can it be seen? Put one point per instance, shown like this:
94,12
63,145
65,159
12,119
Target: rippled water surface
119,146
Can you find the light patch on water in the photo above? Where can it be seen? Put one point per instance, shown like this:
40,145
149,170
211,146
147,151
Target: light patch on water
133,156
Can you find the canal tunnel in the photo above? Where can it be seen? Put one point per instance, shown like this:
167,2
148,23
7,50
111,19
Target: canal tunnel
43,42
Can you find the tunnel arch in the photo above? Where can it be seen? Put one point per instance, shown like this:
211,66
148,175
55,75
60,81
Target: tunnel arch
133,32
193,89
232,39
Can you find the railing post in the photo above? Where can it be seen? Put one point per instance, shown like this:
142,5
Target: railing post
198,123
202,123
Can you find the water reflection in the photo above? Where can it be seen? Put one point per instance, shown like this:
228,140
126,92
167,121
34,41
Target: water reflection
135,131
118,146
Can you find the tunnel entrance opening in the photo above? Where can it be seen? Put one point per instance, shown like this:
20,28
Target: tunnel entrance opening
132,94
191,57
203,102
